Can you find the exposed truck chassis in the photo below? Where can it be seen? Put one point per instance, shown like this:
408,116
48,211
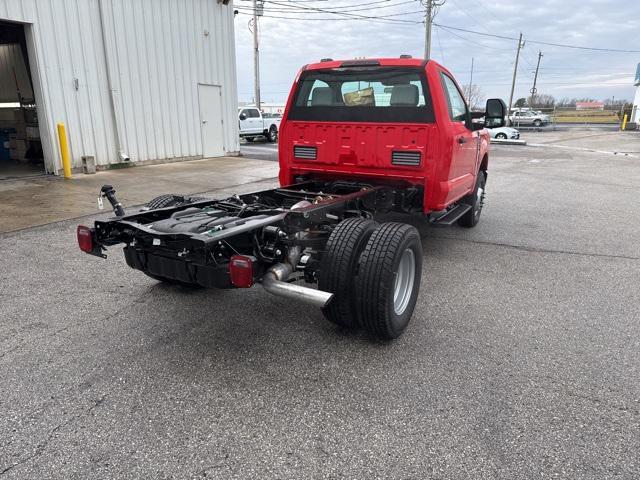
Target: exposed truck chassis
274,237
344,156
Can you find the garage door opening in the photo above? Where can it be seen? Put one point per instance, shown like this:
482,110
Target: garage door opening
20,145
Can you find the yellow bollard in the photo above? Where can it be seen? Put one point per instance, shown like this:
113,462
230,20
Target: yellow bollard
64,150
624,123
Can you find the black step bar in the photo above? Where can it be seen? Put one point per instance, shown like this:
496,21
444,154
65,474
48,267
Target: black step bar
451,216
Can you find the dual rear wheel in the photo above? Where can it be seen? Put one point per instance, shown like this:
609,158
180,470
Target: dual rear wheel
374,272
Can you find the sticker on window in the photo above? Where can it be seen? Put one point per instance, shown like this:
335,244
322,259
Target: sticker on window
360,98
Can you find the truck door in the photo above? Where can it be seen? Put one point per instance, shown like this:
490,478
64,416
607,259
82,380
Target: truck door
465,141
257,124
253,121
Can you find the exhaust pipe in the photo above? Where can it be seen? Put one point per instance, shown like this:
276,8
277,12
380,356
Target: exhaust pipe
275,279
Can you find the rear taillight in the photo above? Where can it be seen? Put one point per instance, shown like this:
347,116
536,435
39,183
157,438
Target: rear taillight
241,271
85,238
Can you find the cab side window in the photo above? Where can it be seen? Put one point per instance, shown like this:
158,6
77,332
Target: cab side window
455,101
253,113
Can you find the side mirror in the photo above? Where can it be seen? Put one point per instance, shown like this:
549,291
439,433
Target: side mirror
495,113
243,116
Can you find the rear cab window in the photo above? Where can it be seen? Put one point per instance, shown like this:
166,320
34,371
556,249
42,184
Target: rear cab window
363,94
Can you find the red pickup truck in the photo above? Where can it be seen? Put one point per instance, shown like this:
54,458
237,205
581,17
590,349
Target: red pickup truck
389,119
358,138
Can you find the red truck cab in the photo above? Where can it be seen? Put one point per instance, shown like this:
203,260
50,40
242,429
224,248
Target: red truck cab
401,120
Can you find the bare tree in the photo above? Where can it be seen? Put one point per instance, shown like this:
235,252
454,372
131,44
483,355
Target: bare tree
542,100
475,96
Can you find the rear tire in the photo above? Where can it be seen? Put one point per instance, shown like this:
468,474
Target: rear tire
476,200
338,268
388,280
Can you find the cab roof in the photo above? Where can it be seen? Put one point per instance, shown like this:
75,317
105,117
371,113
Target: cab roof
368,62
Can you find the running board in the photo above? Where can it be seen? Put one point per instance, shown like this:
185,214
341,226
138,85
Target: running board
451,216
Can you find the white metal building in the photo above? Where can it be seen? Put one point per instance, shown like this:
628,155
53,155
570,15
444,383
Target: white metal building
133,80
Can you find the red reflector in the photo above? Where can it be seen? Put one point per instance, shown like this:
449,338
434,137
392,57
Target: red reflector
85,239
241,271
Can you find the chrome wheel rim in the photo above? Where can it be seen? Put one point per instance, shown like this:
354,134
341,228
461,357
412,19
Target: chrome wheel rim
404,281
479,200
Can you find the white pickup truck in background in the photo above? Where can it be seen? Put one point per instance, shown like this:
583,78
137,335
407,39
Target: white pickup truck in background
253,124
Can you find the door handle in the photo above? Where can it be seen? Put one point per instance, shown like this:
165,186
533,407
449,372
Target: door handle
462,140
204,121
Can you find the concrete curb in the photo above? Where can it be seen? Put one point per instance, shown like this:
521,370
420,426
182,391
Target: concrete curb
500,141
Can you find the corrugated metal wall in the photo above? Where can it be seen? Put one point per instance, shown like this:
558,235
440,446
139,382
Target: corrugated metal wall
155,52
11,61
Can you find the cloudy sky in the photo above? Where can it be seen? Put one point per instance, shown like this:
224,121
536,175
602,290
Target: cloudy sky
287,44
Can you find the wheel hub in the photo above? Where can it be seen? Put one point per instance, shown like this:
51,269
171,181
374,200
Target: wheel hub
404,281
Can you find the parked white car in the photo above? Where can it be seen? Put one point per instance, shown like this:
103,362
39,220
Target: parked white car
253,124
504,133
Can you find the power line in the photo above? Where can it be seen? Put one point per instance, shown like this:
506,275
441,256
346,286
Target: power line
440,45
346,7
379,19
475,20
338,9
563,45
334,12
446,29
344,13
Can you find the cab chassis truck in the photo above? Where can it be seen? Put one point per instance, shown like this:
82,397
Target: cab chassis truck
359,138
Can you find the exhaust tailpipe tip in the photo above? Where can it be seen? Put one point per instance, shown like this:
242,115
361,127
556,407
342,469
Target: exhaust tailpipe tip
308,295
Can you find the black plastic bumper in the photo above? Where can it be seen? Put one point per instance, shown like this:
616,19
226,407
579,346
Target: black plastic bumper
176,269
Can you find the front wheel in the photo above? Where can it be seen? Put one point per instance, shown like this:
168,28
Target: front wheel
501,136
537,123
476,200
272,136
388,280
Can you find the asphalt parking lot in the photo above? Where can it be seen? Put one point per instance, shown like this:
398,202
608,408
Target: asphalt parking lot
522,359
260,149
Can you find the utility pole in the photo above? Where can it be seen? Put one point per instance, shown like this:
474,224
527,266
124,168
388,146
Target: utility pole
535,79
470,84
256,55
431,8
428,18
515,73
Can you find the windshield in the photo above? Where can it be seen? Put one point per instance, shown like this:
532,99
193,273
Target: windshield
380,94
